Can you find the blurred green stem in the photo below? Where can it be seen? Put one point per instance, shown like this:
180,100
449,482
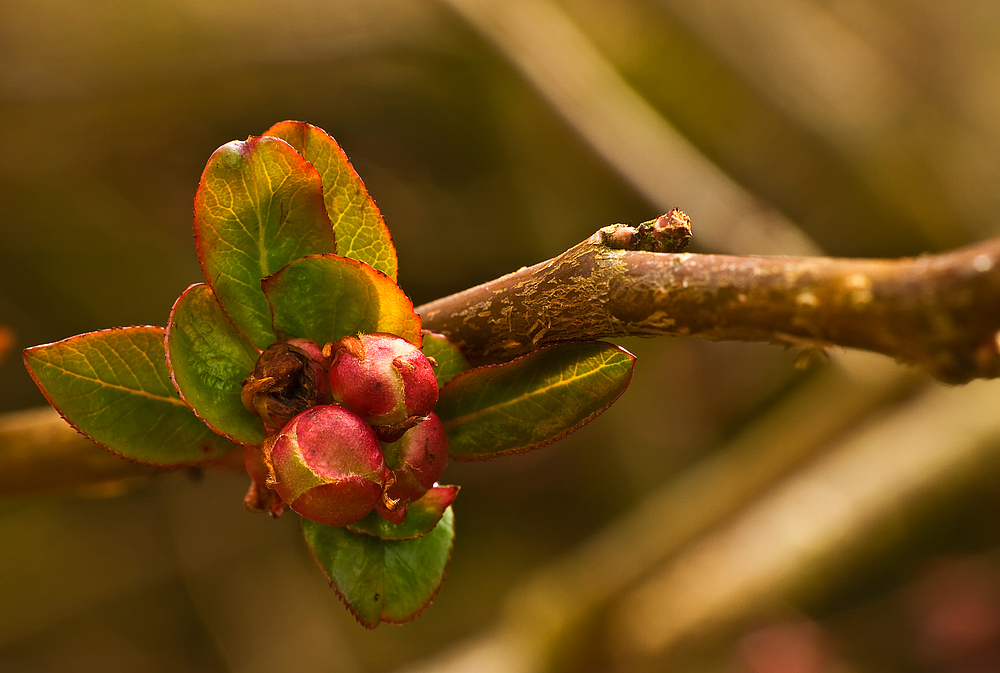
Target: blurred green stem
41,453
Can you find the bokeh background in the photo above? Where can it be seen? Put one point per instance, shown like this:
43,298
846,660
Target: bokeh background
743,507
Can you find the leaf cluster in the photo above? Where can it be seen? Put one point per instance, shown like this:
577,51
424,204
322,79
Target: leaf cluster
293,247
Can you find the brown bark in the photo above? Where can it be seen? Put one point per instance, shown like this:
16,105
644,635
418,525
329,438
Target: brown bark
940,312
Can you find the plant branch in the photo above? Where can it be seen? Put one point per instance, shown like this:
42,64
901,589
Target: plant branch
940,312
42,453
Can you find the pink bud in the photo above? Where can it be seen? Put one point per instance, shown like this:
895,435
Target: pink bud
416,460
672,231
328,466
383,378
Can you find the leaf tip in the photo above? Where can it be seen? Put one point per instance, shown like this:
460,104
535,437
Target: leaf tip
233,154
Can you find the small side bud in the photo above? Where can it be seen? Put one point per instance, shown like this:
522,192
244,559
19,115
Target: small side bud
620,237
416,461
667,233
672,231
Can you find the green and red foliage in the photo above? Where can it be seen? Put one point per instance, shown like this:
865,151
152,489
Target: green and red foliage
297,258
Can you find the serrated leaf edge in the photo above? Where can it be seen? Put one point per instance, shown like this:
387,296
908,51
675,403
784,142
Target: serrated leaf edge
456,488
170,367
556,438
409,302
430,599
25,355
361,182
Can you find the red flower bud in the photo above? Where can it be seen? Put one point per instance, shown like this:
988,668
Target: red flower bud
383,378
328,465
416,460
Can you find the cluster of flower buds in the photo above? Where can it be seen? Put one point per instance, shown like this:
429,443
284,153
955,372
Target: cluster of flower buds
350,428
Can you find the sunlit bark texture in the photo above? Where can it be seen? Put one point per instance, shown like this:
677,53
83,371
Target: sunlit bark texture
940,312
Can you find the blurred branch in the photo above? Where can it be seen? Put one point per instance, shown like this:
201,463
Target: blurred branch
41,453
939,312
820,72
894,467
830,80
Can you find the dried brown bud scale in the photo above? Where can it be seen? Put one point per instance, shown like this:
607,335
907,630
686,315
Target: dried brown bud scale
288,379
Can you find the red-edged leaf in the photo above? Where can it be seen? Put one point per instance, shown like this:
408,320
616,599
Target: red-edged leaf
422,515
113,386
450,361
361,231
383,580
325,297
259,206
208,362
533,400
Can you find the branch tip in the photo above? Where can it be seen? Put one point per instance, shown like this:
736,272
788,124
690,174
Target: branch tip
670,232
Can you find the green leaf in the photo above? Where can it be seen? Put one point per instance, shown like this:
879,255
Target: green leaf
382,580
259,206
113,386
208,361
361,231
325,297
533,400
421,516
450,361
